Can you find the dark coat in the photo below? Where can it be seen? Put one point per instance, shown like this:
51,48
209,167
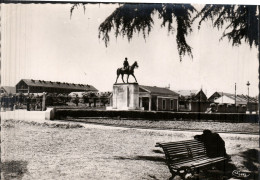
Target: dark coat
215,145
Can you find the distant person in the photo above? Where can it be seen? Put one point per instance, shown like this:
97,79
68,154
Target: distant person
215,145
77,100
20,99
11,102
1,101
28,103
126,64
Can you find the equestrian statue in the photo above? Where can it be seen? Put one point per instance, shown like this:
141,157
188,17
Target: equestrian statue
129,70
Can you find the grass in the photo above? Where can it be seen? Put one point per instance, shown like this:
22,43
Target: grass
37,151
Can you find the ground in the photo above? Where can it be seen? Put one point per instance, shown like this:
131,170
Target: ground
54,150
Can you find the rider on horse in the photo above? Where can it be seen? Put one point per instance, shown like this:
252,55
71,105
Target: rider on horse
129,70
126,64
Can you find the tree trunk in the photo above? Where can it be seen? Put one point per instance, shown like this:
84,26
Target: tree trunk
258,52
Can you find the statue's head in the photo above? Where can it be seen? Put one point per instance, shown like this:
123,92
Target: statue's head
126,58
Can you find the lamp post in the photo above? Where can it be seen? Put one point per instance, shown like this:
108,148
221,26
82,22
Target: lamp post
248,84
236,98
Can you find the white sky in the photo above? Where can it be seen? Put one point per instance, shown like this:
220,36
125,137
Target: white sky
40,41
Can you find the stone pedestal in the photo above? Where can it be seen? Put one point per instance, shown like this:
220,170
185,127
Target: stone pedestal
125,97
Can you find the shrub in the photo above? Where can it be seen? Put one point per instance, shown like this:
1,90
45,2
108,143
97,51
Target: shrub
156,115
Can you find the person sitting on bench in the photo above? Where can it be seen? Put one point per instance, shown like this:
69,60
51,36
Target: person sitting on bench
215,145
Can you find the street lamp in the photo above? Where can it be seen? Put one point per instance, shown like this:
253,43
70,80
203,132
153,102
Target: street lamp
248,84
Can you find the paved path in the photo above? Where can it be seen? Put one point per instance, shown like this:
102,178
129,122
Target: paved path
104,126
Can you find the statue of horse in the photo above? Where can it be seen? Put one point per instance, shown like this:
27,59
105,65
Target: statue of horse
129,71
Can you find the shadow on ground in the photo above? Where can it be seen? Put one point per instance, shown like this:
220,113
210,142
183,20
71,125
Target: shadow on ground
220,171
158,151
143,158
251,162
13,170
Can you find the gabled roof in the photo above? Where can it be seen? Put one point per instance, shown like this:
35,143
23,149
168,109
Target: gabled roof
226,94
42,83
239,97
158,90
187,92
9,89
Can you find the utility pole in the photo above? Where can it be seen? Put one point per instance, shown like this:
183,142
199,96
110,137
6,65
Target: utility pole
248,84
235,94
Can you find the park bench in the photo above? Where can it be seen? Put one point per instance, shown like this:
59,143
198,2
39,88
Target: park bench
185,157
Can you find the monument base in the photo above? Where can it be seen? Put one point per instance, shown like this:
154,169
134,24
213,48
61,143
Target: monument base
125,97
122,109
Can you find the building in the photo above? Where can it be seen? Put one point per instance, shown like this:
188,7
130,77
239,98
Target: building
238,101
193,100
216,95
154,98
39,86
7,90
228,98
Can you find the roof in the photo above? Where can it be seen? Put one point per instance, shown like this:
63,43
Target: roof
226,94
158,90
187,92
240,97
42,83
9,89
97,94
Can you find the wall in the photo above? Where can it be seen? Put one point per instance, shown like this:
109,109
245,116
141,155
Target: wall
28,115
199,106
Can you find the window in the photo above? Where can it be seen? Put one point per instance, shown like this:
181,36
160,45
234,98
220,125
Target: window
163,104
171,104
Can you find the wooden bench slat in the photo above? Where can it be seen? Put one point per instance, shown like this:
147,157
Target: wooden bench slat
203,162
185,150
198,162
188,153
183,147
179,144
181,163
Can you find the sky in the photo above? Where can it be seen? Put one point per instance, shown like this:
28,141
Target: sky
41,41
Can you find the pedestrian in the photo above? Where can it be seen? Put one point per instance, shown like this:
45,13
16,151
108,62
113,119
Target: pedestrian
28,102
215,145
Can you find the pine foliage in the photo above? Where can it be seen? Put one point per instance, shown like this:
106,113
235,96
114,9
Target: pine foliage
241,22
131,18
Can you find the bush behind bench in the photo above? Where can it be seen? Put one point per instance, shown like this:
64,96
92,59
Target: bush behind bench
157,115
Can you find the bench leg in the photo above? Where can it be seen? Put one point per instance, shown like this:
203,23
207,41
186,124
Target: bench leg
171,178
173,175
186,172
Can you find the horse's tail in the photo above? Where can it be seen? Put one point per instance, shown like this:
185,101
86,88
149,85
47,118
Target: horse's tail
117,71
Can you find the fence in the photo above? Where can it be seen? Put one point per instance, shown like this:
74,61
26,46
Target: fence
30,102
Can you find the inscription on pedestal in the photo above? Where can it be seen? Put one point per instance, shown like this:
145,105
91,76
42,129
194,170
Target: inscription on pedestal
126,96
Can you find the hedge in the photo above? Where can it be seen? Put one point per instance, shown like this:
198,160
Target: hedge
156,115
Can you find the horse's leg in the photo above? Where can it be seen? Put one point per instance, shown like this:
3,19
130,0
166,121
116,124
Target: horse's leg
117,78
117,73
122,75
134,77
127,78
